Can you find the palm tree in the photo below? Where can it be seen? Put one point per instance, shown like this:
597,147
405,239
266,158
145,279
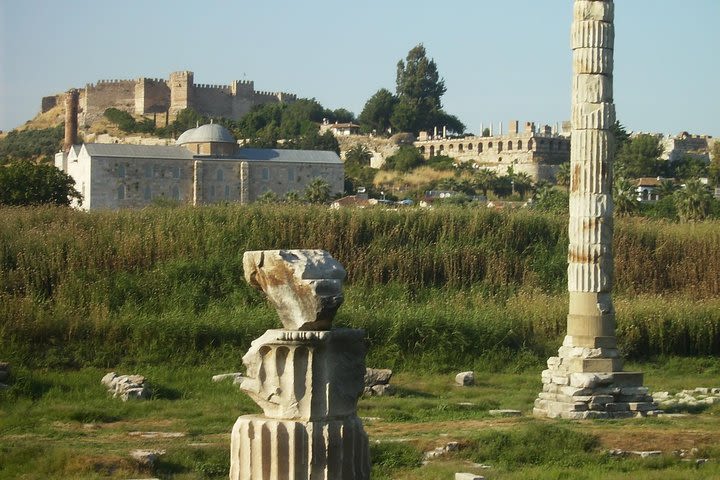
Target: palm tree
522,183
359,154
317,191
693,202
562,176
666,188
484,179
625,196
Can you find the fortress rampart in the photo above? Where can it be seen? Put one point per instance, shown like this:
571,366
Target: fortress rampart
537,152
151,96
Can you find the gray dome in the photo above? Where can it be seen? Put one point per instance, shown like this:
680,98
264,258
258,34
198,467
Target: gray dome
206,133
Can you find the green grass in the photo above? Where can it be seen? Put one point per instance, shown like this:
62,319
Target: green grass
62,424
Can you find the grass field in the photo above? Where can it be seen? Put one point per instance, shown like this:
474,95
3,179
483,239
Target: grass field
160,292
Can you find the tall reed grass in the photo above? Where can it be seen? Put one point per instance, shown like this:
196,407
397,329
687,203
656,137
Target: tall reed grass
441,287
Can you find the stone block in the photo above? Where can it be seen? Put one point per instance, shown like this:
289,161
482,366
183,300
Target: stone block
594,10
592,34
576,392
658,396
304,286
382,390
593,116
641,406
594,365
628,379
634,391
465,379
617,407
592,89
468,476
333,449
564,380
590,380
593,61
298,375
377,376
591,341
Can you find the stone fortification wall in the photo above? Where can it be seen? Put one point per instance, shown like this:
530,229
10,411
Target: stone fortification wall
96,98
152,96
536,153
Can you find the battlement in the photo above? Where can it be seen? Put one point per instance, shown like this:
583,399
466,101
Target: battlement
145,95
214,87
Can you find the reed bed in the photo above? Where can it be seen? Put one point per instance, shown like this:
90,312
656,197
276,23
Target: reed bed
441,288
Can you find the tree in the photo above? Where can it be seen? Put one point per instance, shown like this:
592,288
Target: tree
693,202
522,183
317,191
24,183
620,135
714,168
268,197
562,176
484,179
314,141
688,167
358,154
552,200
625,197
502,186
375,116
666,189
639,157
31,145
419,89
405,159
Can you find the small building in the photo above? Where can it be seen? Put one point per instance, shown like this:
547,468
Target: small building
341,129
205,166
646,189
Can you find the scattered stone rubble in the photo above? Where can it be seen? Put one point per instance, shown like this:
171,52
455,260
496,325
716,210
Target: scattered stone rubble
465,379
126,387
146,458
4,374
688,399
440,451
377,382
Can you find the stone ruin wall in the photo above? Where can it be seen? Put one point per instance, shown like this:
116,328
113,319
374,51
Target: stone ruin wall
153,96
536,154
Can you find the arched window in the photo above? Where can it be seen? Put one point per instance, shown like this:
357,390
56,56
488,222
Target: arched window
530,144
422,149
460,147
500,147
480,148
220,175
469,146
441,148
489,145
510,145
519,144
552,145
432,150
450,147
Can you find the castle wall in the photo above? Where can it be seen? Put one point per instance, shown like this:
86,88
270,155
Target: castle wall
48,103
213,100
158,97
538,155
152,95
95,99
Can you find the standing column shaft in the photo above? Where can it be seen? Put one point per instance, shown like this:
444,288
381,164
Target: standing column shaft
591,319
585,379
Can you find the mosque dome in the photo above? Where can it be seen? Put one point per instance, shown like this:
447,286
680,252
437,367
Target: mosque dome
210,133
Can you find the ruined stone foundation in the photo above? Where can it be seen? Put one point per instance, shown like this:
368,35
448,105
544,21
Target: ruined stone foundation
307,383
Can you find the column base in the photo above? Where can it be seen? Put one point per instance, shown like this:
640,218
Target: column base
574,389
269,449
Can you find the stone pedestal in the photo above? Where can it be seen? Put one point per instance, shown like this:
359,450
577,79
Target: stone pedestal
308,384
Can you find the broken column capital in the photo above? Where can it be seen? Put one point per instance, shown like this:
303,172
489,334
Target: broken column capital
304,286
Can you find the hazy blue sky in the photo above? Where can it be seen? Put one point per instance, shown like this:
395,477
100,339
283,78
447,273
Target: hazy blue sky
501,60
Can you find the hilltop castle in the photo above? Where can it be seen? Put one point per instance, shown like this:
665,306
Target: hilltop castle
163,99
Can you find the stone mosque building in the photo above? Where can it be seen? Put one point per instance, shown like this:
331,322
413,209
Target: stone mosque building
204,166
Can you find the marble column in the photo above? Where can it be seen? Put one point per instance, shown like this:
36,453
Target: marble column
586,379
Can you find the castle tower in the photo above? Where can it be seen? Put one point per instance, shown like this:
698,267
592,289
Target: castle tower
181,91
72,100
586,379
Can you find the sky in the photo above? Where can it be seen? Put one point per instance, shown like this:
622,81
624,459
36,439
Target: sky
501,60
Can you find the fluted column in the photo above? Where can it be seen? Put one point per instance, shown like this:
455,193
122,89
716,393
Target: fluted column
586,379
